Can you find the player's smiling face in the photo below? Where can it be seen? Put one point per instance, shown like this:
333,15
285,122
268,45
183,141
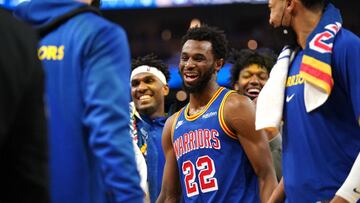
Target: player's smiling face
251,80
197,64
148,93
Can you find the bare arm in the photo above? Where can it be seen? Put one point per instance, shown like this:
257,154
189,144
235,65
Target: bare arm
171,189
239,113
278,195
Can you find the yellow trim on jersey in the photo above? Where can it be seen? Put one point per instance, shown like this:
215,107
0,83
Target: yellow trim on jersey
318,82
174,124
197,115
223,125
313,62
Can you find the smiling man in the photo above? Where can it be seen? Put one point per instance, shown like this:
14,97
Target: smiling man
148,90
213,153
250,71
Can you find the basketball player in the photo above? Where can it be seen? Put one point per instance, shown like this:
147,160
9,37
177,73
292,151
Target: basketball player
149,86
213,153
321,111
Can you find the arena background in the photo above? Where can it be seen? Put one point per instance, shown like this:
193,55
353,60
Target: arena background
156,26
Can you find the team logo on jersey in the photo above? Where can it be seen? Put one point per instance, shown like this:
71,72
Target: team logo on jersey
294,80
289,97
51,53
179,123
144,133
195,140
208,115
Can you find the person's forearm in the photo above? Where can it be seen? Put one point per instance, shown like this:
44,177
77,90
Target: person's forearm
168,199
278,195
267,184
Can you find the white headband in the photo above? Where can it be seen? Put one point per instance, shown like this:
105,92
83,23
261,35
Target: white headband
149,69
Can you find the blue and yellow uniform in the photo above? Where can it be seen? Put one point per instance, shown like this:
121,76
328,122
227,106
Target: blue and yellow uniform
150,135
317,157
212,164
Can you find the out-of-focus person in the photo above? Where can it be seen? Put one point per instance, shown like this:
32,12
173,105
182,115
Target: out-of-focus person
23,137
87,66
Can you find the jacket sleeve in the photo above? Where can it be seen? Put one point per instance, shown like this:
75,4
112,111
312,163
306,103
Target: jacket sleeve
106,89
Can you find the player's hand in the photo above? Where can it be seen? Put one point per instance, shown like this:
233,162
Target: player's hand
338,199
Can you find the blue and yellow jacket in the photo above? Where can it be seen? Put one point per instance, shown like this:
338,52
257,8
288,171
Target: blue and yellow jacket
150,135
87,64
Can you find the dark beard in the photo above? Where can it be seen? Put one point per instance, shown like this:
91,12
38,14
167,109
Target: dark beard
201,85
96,3
285,35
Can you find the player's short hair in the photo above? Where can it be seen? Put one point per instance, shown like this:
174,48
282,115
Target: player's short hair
314,4
153,61
246,57
215,36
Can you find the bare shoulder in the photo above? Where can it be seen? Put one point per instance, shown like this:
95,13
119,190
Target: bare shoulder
167,131
239,113
236,102
170,120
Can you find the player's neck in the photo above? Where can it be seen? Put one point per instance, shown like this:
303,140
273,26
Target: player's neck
201,99
157,114
160,112
304,24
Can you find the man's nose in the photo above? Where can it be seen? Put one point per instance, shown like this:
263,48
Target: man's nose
254,80
142,86
189,63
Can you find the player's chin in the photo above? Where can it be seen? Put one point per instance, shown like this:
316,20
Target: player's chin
252,96
147,109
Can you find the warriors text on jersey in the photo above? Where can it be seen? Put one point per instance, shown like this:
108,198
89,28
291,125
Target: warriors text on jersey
212,164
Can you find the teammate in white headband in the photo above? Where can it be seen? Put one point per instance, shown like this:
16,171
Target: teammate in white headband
149,69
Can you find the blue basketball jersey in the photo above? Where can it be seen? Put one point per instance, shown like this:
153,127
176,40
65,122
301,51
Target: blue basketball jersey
320,147
212,164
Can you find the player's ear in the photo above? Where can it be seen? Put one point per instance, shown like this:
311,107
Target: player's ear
166,90
236,86
218,64
290,4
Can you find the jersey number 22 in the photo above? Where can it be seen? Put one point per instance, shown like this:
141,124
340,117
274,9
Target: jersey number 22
207,181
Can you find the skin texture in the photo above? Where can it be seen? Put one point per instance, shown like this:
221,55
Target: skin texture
148,94
197,60
251,80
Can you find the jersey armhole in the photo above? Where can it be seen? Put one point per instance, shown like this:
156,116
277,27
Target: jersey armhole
222,122
174,124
